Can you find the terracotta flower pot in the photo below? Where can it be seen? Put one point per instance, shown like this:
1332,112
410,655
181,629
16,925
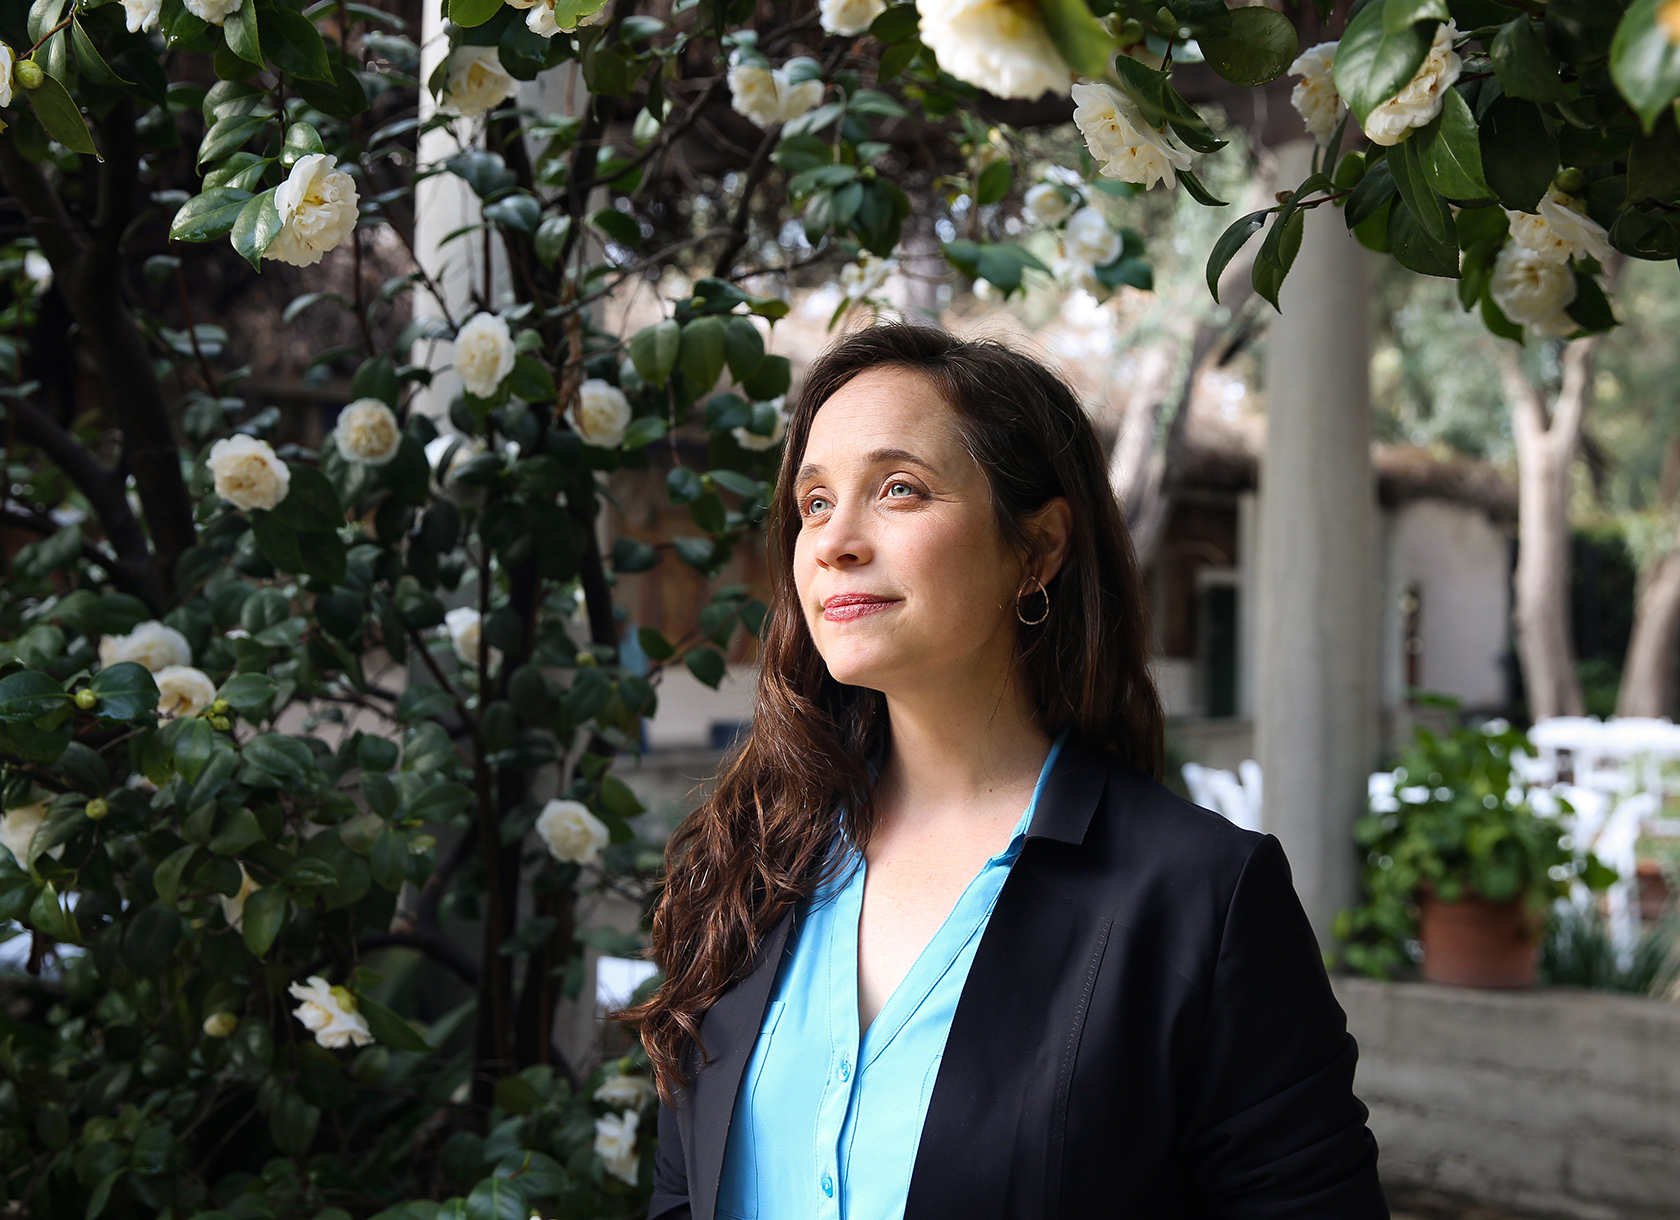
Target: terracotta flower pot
1477,943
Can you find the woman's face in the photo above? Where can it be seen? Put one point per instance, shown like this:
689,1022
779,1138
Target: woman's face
902,573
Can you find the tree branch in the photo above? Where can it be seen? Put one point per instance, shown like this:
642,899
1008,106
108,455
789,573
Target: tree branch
135,567
85,277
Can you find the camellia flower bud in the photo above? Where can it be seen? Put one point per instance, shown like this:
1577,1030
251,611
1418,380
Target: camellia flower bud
219,707
586,659
86,699
28,74
220,723
1571,181
221,1024
97,809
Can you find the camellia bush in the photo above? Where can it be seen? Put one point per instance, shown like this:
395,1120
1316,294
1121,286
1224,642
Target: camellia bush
201,852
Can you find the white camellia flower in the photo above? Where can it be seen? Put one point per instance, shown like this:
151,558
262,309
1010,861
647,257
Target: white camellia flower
464,625
183,691
213,11
1047,204
466,448
1089,238
539,16
999,45
748,439
1533,289
18,827
1315,98
601,413
572,833
1419,101
330,1014
626,1092
233,909
39,270
8,61
1559,231
770,97
317,206
849,18
865,277
248,473
155,645
142,14
615,1143
367,432
1121,139
484,353
475,81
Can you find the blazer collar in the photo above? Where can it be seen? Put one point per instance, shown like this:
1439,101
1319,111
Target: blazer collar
1070,794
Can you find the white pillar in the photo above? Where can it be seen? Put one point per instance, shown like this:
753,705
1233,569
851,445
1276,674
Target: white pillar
1316,692
444,204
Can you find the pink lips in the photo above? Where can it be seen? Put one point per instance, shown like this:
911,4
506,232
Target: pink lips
843,607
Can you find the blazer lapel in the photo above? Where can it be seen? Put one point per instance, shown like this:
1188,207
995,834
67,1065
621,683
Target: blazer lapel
729,1031
990,1146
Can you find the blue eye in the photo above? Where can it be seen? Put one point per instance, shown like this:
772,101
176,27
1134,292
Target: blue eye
815,505
897,483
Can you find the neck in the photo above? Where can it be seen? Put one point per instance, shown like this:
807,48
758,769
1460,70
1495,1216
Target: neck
959,750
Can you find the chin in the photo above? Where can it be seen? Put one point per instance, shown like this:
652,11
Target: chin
875,668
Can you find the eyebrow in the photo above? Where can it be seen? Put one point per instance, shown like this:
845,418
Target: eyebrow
878,457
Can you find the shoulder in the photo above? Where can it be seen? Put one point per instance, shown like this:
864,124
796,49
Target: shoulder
1148,852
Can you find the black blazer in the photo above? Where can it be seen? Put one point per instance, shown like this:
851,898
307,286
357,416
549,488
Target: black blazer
1147,1031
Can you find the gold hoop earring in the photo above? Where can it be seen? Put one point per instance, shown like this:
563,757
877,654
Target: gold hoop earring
1033,622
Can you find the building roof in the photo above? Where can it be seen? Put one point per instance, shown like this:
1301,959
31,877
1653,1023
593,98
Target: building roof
1223,454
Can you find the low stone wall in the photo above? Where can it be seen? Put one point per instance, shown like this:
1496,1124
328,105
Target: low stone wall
1556,1101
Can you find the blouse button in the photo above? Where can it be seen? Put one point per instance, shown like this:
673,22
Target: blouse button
828,1186
845,1070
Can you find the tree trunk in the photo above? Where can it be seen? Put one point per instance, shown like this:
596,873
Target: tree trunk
1546,443
1647,674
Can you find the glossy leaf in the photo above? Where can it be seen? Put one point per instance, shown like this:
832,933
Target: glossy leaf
1645,59
1373,63
126,691
60,115
1259,47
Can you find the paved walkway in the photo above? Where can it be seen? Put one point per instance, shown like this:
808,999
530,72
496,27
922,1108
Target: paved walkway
1427,1205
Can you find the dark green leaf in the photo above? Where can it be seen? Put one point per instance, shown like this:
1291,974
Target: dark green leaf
706,664
60,115
265,913
1374,63
89,61
1645,59
1524,67
292,1124
240,30
192,740
150,939
256,227
1078,37
1519,155
126,691
247,692
1451,151
701,355
387,1027
1405,161
1230,241
654,349
1259,47
1417,247
293,42
208,216
1193,186
30,695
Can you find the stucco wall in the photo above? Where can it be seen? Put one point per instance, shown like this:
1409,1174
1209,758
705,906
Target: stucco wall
1460,563
1554,1102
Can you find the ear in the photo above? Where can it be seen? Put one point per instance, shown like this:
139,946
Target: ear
1051,529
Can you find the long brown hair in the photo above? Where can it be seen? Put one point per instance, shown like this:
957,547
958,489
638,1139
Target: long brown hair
761,841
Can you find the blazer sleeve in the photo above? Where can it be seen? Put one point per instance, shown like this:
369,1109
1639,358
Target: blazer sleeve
670,1173
1274,1130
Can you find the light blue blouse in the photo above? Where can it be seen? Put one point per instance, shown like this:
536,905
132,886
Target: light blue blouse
825,1126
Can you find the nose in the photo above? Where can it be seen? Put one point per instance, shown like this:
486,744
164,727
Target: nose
843,541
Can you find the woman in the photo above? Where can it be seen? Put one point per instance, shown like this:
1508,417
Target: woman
940,944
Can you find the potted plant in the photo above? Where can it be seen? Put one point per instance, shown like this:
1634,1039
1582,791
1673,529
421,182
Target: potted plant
1459,867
